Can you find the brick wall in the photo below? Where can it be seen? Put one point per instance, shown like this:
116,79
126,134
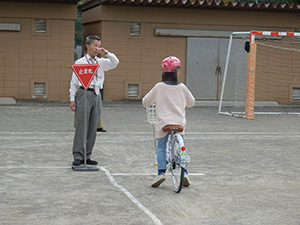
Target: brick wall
27,56
140,57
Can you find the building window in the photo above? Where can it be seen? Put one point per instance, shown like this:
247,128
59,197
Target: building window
133,90
10,27
135,29
39,90
40,26
296,93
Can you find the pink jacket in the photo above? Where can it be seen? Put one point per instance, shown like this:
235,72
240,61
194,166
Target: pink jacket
171,101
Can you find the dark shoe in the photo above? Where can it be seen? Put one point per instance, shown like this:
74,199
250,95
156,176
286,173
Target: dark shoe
91,162
77,162
101,130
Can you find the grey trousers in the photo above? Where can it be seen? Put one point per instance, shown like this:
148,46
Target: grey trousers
93,111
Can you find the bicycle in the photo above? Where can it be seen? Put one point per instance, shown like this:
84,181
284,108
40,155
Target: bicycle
176,157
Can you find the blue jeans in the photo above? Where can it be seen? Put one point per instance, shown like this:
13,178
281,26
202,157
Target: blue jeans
161,152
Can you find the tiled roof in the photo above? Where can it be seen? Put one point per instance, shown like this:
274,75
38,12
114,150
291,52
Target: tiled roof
44,1
196,4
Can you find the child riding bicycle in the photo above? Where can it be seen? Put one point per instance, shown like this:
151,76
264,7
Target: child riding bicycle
171,99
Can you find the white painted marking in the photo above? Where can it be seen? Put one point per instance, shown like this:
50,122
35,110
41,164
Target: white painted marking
69,167
131,197
196,174
148,136
126,133
149,174
26,146
141,132
133,174
35,167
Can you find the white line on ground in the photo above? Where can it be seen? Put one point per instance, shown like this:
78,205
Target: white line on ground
26,146
188,137
69,167
131,197
243,137
35,167
126,133
149,174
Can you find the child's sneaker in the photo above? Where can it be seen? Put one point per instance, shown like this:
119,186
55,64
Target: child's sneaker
186,180
158,180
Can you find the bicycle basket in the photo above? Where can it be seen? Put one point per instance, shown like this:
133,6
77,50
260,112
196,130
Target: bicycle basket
151,114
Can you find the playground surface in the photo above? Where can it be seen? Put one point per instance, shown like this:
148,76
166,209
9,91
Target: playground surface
243,172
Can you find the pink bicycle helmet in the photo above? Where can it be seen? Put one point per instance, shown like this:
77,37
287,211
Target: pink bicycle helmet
170,64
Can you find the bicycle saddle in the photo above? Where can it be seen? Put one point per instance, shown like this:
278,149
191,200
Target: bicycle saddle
173,127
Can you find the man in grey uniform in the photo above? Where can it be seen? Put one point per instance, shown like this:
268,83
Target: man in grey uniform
93,98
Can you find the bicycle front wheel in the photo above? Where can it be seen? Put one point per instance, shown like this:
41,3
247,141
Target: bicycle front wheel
177,170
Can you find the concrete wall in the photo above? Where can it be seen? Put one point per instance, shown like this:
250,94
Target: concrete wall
140,57
27,57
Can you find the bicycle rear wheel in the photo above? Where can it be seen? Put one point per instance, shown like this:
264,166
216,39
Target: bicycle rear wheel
177,178
177,170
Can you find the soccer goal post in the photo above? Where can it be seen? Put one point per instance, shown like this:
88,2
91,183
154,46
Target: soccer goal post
262,69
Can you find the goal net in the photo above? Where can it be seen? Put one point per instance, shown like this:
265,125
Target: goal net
262,74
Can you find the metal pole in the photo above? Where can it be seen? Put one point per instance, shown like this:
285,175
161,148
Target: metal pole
250,92
85,133
225,73
226,66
